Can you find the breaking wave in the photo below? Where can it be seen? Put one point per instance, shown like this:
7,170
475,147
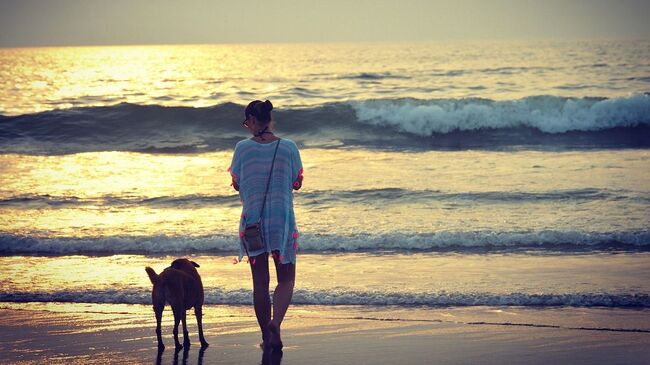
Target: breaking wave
548,114
532,122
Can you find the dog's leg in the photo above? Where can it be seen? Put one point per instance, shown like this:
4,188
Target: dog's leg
177,319
158,309
186,335
198,312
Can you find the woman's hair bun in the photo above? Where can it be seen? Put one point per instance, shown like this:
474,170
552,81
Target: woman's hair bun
267,106
260,110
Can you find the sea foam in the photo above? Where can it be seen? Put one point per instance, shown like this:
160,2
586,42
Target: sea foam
549,114
348,297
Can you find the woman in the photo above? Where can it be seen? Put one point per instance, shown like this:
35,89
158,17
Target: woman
250,169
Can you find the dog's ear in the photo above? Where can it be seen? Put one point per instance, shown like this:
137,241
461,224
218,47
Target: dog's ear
195,264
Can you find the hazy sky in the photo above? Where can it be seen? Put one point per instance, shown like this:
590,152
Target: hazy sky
90,22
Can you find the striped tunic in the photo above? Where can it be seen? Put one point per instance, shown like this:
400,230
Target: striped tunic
250,168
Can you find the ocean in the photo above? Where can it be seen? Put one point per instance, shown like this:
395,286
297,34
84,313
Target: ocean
436,174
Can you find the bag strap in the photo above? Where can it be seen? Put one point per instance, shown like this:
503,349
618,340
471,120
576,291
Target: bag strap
268,182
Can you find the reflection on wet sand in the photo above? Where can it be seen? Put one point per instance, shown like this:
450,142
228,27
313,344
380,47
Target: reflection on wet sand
186,352
272,357
269,356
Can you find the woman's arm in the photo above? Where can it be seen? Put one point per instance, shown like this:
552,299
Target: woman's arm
234,168
296,163
298,183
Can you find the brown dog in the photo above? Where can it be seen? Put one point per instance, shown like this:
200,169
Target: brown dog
179,285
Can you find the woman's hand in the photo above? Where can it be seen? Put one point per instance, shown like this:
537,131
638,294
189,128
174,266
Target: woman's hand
233,178
298,183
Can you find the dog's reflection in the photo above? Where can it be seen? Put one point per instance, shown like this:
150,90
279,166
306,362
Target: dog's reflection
272,357
186,352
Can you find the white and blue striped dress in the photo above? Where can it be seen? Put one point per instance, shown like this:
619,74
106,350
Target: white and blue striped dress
250,168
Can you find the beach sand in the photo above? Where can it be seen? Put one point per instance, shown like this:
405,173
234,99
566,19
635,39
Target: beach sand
53,333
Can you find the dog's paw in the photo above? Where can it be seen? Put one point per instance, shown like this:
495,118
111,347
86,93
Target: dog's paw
179,347
204,345
161,347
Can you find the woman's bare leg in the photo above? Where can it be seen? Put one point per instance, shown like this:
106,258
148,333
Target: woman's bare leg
281,298
261,299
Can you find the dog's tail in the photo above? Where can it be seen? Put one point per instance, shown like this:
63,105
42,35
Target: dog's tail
152,275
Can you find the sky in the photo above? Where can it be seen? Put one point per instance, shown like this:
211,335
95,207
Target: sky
119,22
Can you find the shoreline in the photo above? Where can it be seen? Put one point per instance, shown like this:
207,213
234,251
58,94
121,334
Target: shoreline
113,333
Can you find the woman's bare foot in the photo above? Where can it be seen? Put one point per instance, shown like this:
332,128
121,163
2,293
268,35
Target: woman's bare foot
274,335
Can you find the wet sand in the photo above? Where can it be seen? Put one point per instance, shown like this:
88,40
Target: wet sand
36,333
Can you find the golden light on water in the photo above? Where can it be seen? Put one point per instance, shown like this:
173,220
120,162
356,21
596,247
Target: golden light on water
124,193
39,79
119,174
101,74
100,193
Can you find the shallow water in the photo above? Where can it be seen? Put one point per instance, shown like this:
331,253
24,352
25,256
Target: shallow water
403,279
352,199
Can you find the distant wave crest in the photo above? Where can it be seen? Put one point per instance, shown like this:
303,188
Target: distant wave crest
536,122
